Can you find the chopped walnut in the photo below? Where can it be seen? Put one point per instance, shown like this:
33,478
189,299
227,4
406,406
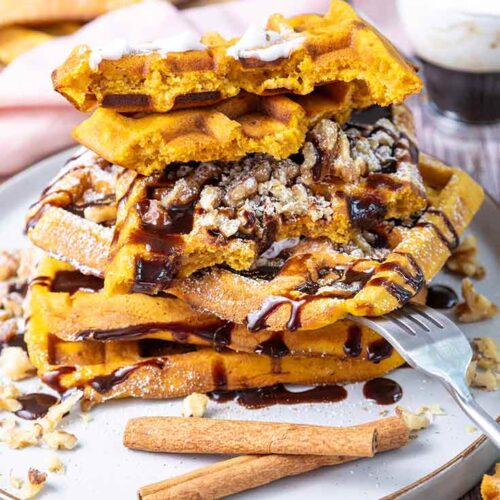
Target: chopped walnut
8,398
328,155
490,485
414,421
34,485
60,440
13,304
19,437
484,369
55,464
8,327
194,405
463,259
28,260
15,364
434,409
15,482
55,414
8,265
476,307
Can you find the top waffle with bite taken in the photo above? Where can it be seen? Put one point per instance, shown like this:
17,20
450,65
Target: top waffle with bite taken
288,56
346,183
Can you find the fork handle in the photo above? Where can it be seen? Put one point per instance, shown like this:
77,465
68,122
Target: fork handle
475,411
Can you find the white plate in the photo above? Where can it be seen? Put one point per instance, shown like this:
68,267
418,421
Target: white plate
444,462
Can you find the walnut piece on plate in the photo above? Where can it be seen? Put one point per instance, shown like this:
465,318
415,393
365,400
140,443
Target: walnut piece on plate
476,307
33,486
414,421
55,464
463,259
15,363
490,485
8,397
194,405
484,370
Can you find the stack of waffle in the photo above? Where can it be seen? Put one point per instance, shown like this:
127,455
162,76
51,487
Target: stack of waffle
234,202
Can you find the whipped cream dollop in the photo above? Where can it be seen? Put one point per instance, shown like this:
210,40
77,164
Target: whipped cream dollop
259,43
120,47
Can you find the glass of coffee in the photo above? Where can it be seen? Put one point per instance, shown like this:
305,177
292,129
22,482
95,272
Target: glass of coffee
458,45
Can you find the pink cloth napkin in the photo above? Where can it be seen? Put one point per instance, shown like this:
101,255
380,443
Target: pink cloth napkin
36,121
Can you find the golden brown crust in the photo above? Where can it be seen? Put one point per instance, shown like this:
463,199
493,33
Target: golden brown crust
87,315
339,46
244,124
235,297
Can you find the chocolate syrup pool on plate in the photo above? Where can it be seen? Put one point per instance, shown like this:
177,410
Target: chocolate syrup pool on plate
35,405
383,391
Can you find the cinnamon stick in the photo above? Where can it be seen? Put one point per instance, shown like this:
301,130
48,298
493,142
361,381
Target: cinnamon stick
245,472
233,437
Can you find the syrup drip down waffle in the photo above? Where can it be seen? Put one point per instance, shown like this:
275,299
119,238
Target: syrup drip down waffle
157,365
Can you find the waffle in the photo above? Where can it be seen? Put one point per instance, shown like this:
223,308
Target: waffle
51,11
79,206
191,217
303,52
154,368
15,40
76,309
244,124
321,283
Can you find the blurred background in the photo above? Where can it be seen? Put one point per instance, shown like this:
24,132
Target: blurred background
456,44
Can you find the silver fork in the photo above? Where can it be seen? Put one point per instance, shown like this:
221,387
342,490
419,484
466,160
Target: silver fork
432,343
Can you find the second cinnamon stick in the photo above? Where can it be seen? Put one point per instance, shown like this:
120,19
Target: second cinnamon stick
204,435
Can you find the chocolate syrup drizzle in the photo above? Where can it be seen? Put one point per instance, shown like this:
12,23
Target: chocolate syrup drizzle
219,333
105,383
274,346
256,320
352,345
279,394
452,243
53,378
378,350
73,281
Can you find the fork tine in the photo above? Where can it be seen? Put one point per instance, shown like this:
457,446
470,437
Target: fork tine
398,319
425,315
418,322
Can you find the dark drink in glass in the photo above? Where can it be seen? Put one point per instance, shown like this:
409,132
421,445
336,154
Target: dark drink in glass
458,45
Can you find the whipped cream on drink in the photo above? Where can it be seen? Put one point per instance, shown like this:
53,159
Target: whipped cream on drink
455,34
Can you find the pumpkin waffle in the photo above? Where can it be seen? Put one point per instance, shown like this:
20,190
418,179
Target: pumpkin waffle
37,12
244,124
287,56
15,40
76,309
342,184
155,368
79,206
320,282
